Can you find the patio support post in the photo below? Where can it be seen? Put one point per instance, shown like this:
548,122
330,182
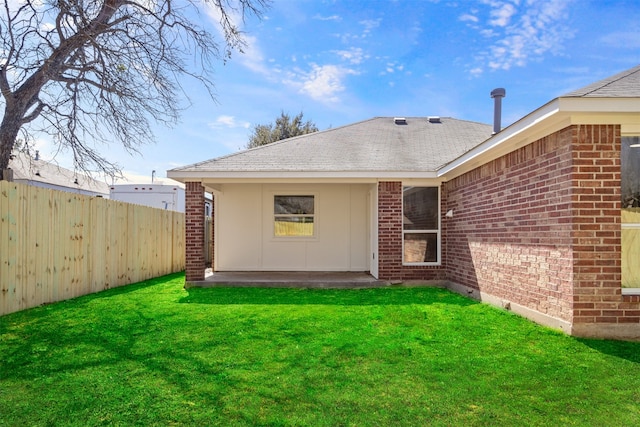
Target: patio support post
390,230
194,232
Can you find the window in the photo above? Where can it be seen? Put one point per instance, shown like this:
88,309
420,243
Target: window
420,225
630,180
294,216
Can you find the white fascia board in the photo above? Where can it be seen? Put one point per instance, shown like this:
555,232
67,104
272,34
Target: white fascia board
210,176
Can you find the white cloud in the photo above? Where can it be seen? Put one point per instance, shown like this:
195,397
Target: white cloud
355,55
488,33
521,33
225,121
469,18
252,56
502,14
392,67
322,82
328,18
369,25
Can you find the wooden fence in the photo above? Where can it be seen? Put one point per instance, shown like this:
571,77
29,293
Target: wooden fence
57,245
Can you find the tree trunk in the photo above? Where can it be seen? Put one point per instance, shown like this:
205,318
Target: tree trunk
8,134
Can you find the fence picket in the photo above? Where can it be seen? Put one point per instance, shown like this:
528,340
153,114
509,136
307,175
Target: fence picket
56,245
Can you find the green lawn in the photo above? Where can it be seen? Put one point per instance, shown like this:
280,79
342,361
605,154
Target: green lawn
156,354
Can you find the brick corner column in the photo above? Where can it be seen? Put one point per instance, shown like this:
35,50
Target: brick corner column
597,249
194,232
390,230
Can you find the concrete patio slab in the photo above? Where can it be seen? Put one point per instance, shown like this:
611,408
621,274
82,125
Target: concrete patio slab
290,279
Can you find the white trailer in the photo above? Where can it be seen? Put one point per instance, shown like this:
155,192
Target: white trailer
168,197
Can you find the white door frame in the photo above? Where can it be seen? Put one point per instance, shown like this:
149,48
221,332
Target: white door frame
373,233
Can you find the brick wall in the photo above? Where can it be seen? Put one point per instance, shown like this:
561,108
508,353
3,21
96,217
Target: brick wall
541,227
194,230
390,239
510,235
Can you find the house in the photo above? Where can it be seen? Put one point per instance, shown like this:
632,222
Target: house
41,173
529,217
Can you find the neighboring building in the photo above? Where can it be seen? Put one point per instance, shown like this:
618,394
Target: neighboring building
529,217
167,197
156,195
40,173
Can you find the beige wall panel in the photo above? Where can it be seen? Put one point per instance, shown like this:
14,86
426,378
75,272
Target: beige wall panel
284,256
239,227
245,237
332,249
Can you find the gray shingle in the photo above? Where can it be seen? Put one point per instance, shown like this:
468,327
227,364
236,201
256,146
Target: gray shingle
26,168
623,85
377,144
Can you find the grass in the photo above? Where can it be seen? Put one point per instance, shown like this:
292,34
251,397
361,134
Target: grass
156,354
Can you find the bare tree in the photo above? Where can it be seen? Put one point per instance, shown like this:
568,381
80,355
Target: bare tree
284,127
87,72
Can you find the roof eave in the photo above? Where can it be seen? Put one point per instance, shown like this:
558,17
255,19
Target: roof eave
553,116
221,176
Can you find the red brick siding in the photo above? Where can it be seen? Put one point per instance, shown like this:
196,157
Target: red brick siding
541,227
390,239
194,232
510,235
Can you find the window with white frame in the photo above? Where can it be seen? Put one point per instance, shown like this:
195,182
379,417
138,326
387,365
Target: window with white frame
420,225
294,216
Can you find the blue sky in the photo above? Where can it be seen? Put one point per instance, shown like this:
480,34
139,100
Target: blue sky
344,61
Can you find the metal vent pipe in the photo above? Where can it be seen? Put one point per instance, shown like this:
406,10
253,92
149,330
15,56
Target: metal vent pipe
497,95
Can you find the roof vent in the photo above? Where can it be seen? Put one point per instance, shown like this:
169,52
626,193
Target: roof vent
434,119
400,120
497,95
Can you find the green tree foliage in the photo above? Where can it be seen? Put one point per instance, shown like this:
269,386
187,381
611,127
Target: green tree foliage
284,127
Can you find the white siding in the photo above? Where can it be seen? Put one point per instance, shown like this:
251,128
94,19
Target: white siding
244,229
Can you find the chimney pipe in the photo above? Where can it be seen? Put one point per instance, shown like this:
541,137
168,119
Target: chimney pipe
497,95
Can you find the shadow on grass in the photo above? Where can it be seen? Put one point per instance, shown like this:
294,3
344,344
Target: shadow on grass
627,350
103,347
291,296
125,289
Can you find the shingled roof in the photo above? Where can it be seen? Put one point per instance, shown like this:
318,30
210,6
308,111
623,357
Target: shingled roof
419,144
622,85
27,169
